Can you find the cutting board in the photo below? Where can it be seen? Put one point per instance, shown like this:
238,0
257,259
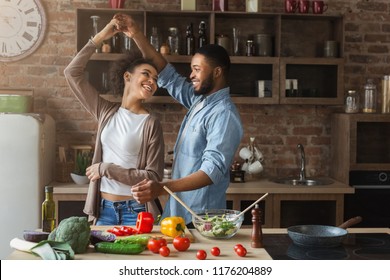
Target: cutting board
155,233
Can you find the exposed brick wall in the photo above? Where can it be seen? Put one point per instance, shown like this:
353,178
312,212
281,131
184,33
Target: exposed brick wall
277,128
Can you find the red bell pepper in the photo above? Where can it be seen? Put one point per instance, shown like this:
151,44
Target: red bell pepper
144,222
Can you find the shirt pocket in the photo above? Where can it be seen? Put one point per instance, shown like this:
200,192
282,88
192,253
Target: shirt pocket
194,142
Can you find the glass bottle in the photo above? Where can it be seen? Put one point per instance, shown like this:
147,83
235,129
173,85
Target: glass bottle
386,94
173,40
202,39
154,39
352,102
369,97
95,20
190,40
48,211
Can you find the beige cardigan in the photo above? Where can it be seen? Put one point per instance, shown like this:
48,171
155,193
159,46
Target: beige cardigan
151,158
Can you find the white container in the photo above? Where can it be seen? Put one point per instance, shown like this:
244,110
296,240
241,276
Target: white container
188,5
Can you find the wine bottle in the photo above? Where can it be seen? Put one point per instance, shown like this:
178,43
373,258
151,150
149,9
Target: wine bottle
190,40
202,39
48,211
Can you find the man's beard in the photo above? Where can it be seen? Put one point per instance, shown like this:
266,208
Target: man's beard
206,87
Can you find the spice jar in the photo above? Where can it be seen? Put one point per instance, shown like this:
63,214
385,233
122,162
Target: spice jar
352,102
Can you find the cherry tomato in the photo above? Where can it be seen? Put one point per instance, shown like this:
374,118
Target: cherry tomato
237,246
154,244
201,255
215,251
164,251
181,243
241,251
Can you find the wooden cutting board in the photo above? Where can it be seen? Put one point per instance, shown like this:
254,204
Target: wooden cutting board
155,233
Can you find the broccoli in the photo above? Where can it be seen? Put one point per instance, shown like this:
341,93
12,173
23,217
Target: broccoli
75,231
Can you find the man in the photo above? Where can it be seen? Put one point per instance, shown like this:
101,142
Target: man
210,132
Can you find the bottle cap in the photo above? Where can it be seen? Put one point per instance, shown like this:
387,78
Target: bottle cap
48,189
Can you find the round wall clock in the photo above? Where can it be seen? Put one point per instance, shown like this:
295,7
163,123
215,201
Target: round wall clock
22,28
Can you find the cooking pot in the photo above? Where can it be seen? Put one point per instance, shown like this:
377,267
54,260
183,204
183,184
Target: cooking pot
320,235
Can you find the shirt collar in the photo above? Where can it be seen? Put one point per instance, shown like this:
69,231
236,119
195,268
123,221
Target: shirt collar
217,96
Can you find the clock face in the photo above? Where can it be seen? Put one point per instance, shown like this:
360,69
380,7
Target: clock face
22,28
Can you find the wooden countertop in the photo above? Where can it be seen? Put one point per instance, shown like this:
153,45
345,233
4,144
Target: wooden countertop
226,247
254,186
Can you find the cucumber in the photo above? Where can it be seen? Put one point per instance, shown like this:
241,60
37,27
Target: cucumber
135,239
119,248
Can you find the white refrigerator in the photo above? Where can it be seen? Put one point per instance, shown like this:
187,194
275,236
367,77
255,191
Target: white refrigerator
27,160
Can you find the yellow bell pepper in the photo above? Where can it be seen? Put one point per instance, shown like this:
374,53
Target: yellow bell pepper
173,226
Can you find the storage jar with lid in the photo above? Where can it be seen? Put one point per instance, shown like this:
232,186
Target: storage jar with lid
173,40
352,102
369,97
386,94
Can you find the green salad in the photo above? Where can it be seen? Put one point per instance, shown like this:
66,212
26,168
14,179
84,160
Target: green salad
217,226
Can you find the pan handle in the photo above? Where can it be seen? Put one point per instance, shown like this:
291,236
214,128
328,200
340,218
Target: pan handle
351,222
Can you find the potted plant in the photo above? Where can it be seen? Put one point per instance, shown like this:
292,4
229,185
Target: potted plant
82,161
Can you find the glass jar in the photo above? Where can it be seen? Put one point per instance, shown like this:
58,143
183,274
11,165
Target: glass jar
173,40
154,39
369,97
352,102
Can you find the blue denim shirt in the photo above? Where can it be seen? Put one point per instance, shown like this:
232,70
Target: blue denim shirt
208,143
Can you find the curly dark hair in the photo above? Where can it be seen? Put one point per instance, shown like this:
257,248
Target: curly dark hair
119,67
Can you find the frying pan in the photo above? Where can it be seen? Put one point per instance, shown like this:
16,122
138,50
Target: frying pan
319,235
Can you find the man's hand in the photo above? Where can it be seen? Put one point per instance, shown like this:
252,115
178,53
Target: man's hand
146,190
126,24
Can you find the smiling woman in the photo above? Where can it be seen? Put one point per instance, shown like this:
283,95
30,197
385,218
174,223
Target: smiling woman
130,145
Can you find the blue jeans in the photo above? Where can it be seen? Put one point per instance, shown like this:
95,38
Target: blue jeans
119,212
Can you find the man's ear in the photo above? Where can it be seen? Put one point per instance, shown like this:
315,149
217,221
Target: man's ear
217,72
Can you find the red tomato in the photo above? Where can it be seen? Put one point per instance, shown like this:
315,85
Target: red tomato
241,251
237,246
201,255
215,251
164,251
181,243
154,244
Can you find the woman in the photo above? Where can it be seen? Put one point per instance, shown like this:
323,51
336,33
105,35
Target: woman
129,145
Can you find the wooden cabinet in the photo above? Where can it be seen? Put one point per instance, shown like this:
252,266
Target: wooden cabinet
297,52
360,142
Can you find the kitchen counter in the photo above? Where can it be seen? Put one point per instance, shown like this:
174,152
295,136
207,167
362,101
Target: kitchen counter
251,186
226,247
239,194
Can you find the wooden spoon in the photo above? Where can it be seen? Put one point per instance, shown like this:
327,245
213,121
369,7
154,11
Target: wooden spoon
250,206
184,205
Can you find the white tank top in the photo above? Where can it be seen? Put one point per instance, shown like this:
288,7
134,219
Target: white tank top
121,142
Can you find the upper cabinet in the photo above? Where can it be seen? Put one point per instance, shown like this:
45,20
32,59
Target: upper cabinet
295,59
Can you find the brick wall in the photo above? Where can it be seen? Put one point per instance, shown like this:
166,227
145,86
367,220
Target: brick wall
277,128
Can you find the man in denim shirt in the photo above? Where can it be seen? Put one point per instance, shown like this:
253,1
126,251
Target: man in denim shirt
209,135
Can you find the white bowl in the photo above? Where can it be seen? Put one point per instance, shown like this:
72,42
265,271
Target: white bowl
221,223
79,179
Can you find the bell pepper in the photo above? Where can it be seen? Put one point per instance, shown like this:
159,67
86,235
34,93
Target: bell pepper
144,222
173,226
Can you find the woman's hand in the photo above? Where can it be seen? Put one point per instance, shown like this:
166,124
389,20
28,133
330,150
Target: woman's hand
126,24
107,32
146,190
93,171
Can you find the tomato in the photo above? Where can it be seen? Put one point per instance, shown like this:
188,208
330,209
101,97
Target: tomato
241,251
164,251
181,243
237,246
215,251
201,255
154,244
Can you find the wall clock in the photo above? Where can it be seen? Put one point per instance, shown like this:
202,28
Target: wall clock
22,28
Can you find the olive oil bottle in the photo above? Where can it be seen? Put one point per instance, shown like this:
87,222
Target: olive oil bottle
48,211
